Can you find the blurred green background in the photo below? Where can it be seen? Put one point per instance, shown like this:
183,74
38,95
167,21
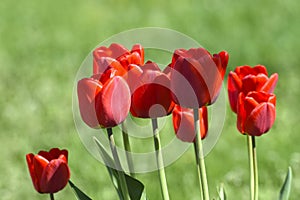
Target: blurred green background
42,44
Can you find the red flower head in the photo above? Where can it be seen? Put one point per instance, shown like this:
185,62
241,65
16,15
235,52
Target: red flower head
104,100
198,76
116,56
255,113
49,171
183,123
245,79
151,95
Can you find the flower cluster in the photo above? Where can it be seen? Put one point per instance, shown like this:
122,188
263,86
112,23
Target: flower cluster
250,92
122,82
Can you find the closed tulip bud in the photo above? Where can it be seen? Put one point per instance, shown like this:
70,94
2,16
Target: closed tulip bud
256,113
183,123
103,104
49,171
151,95
197,76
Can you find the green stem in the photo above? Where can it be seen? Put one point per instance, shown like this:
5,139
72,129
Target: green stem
128,150
123,184
51,196
198,168
159,161
250,155
200,157
253,167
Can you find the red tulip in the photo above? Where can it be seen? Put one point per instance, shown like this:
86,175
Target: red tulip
103,102
49,171
255,112
245,79
183,123
116,56
151,95
197,76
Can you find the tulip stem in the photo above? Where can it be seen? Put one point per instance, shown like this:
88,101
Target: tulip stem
198,168
253,167
128,150
122,180
51,196
200,157
159,161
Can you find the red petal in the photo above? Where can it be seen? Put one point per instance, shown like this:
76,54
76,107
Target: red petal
260,69
117,50
113,102
140,50
87,89
183,123
55,177
34,178
241,113
260,120
253,82
224,59
270,85
152,96
234,85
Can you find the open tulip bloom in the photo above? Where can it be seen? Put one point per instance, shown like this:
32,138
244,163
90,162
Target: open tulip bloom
122,83
49,171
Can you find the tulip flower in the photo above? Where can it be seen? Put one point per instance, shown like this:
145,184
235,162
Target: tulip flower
49,171
255,113
103,102
183,123
151,95
197,76
245,79
116,56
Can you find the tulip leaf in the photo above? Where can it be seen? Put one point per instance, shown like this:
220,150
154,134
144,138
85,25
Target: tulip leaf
286,188
136,189
79,194
222,194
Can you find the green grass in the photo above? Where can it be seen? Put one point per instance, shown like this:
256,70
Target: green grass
42,44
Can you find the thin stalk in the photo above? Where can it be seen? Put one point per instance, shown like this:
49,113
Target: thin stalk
198,168
200,157
159,161
51,196
253,167
128,150
123,184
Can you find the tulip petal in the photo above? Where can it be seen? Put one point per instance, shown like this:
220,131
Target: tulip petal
151,97
183,123
270,85
137,48
253,82
87,89
35,180
113,102
241,113
234,85
260,120
55,177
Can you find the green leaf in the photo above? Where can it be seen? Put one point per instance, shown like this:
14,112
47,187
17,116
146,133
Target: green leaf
136,189
286,188
79,194
222,194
